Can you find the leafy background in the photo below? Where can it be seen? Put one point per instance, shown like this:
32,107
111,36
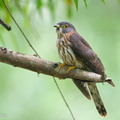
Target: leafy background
25,95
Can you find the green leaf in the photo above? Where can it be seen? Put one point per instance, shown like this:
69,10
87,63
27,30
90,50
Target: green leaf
39,3
76,4
69,13
103,1
51,8
85,3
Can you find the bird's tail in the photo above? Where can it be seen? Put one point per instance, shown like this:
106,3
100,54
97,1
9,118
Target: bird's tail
97,99
83,87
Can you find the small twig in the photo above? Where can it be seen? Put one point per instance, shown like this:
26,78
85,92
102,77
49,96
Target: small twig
5,25
20,29
64,99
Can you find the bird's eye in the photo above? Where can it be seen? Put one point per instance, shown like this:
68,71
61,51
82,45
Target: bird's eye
66,26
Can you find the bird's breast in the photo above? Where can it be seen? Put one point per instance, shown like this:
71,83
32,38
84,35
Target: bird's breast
67,54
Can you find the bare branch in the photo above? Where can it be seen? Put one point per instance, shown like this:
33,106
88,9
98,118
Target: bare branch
39,65
5,25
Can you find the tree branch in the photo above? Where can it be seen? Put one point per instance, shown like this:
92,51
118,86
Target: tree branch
5,25
38,65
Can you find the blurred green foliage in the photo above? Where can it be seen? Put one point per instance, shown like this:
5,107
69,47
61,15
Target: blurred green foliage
24,95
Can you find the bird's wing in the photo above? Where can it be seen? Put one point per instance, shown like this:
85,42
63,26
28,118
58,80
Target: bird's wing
82,86
84,53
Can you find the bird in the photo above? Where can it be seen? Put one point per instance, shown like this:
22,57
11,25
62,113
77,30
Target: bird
75,51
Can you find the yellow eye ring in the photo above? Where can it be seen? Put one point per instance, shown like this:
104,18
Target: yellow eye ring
66,26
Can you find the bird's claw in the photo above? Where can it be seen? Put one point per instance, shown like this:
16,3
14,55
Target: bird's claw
70,68
61,65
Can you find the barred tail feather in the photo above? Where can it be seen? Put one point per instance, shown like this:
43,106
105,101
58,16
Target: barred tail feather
97,99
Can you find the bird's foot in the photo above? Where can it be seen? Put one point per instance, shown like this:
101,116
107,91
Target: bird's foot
70,68
61,65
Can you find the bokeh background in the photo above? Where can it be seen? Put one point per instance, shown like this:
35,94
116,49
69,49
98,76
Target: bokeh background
26,96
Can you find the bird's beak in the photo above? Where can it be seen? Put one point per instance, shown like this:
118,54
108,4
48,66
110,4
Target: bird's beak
57,26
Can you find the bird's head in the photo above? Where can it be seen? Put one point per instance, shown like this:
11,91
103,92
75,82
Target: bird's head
64,27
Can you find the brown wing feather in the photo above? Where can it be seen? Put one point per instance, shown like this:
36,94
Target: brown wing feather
85,54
